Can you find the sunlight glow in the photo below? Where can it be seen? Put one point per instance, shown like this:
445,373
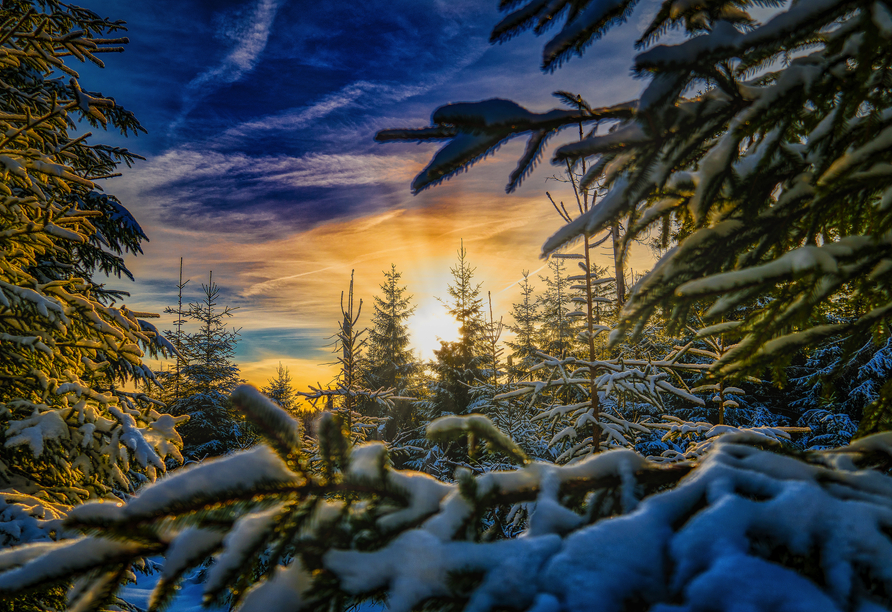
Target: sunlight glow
431,324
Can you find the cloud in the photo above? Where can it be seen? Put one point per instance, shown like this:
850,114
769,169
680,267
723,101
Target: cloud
366,94
294,281
265,196
185,166
273,283
251,37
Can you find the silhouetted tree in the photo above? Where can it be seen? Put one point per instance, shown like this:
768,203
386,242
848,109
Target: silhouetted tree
458,364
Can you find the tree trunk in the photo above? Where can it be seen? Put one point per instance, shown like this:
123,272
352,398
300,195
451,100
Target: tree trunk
618,269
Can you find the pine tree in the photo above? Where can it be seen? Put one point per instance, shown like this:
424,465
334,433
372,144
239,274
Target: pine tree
349,399
458,367
524,347
281,390
509,415
208,378
492,372
73,428
348,347
558,330
587,299
458,364
390,363
390,359
466,305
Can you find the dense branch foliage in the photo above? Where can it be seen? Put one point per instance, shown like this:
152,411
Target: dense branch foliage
69,429
757,526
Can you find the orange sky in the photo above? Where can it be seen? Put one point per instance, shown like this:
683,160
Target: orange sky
295,282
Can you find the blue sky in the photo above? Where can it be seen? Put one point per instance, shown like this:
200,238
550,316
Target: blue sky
261,163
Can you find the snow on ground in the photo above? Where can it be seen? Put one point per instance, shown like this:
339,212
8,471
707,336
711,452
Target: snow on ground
187,600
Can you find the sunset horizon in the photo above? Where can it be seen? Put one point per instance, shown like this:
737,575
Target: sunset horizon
282,218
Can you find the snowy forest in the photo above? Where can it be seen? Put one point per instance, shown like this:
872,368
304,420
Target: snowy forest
713,434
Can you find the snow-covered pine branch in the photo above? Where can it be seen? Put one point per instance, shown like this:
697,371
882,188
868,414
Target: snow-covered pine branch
640,533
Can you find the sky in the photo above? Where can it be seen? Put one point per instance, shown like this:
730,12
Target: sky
261,165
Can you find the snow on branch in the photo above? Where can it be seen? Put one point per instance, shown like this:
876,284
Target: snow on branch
741,523
476,426
477,129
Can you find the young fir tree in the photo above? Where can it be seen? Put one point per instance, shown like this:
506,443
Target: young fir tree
71,424
281,390
390,363
458,364
591,288
349,399
348,347
172,377
208,378
557,330
492,372
524,346
389,357
510,415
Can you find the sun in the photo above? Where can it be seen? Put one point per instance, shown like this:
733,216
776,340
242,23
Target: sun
431,324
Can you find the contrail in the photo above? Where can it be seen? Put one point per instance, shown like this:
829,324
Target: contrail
520,279
260,287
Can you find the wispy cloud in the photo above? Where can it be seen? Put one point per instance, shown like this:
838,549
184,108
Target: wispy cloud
520,280
186,172
359,93
363,95
267,196
242,58
273,283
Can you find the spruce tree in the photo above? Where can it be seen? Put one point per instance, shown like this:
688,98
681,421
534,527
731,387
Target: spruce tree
208,378
492,371
281,390
509,414
389,357
459,363
348,398
558,330
525,345
390,363
589,289
172,378
348,347
73,427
